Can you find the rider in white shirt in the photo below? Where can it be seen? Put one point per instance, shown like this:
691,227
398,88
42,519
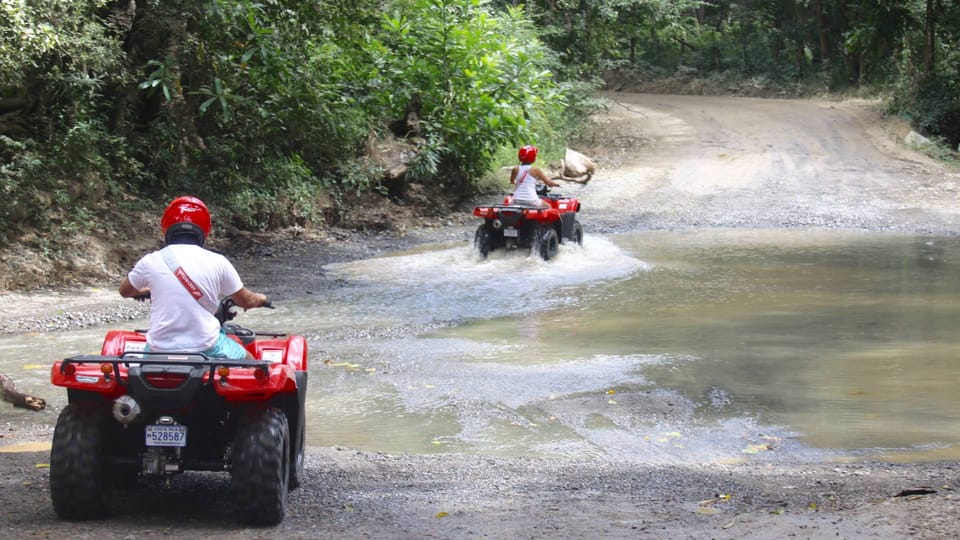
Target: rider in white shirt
185,283
525,176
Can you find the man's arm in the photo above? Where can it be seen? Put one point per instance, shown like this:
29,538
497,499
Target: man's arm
248,299
127,290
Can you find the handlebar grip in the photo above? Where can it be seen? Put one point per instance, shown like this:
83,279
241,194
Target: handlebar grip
268,304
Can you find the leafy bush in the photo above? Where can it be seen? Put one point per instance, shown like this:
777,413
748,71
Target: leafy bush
933,106
484,80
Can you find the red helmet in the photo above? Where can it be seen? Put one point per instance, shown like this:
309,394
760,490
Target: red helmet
527,154
186,216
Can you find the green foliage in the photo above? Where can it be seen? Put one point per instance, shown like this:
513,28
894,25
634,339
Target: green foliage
60,58
933,106
354,178
484,80
286,196
43,33
265,107
161,77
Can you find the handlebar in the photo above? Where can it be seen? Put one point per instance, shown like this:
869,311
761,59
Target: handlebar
225,311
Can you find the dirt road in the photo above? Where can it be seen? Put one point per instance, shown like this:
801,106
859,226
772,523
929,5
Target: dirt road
666,162
729,162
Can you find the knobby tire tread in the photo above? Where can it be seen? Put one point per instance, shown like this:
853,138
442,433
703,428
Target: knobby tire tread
298,458
79,486
261,466
548,243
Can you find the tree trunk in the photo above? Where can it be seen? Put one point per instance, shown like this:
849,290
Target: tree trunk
852,62
19,399
799,43
822,32
929,41
778,44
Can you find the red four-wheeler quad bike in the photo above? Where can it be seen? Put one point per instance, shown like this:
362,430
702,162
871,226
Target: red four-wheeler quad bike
510,226
142,415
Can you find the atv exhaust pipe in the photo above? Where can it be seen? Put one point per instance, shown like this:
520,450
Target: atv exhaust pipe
125,409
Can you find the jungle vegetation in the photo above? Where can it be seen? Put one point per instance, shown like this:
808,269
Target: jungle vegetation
269,109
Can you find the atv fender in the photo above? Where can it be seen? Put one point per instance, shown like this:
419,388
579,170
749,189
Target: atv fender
291,351
118,342
242,385
88,378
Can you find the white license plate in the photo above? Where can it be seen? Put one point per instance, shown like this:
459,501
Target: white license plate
166,435
512,233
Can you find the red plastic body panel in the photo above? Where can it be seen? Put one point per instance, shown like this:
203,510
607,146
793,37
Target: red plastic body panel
294,350
88,378
558,206
240,385
115,342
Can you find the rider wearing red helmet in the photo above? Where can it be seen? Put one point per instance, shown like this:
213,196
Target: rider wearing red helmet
185,283
185,217
525,176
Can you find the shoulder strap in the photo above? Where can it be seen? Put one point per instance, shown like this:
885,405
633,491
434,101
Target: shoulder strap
523,175
174,265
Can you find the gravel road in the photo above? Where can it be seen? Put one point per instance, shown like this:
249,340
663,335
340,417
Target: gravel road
666,162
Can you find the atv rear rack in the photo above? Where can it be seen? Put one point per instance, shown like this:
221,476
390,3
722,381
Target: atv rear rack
164,359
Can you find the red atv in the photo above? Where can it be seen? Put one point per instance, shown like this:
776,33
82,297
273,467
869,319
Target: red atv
510,226
136,415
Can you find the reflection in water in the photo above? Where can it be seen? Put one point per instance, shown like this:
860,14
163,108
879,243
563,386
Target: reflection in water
655,346
849,339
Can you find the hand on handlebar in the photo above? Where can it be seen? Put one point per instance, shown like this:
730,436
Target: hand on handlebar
264,302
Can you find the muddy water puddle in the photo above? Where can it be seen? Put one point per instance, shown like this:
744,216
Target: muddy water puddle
656,346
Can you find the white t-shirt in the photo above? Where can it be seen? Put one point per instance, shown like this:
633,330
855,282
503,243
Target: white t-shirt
526,185
177,320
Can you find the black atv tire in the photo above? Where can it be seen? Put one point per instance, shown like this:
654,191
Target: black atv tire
261,466
483,240
548,243
297,459
577,235
79,483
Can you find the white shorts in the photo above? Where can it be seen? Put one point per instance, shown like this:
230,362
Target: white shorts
527,202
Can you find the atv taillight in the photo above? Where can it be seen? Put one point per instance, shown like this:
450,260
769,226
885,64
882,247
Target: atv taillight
165,380
69,369
260,375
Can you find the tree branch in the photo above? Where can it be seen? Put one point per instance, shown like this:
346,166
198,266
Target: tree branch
19,399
